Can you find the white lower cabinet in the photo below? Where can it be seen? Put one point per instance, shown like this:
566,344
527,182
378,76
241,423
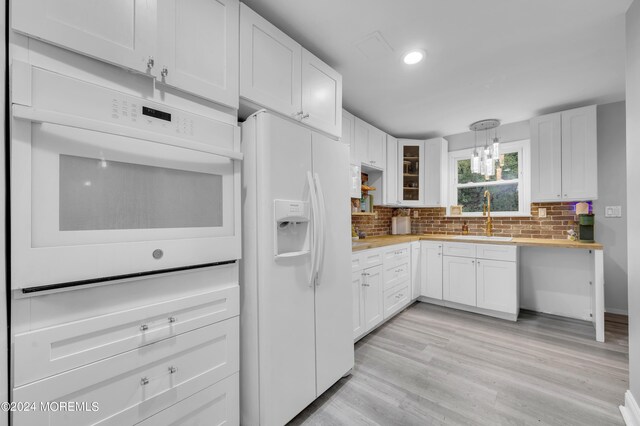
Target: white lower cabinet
372,297
497,286
431,269
416,265
396,298
357,279
479,277
459,280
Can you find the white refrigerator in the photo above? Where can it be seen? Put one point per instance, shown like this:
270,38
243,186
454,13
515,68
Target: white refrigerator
296,320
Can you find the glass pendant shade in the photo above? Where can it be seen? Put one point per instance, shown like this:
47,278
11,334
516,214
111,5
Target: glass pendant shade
475,162
496,148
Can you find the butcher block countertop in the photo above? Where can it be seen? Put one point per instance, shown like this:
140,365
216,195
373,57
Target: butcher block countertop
388,240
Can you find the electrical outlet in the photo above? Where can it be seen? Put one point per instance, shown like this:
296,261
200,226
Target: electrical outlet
542,212
613,211
415,213
375,215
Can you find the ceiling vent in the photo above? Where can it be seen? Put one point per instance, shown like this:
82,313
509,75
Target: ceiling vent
373,46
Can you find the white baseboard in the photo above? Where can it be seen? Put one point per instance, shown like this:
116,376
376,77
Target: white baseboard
630,410
616,311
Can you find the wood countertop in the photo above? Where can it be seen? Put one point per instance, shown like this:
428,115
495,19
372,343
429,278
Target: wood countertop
388,240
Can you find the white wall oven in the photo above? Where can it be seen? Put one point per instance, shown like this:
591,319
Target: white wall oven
107,185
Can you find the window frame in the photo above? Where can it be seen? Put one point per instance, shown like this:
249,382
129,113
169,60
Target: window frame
522,147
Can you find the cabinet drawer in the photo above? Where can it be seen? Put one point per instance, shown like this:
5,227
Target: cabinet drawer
396,254
459,249
47,351
497,252
137,384
370,258
396,298
215,405
396,273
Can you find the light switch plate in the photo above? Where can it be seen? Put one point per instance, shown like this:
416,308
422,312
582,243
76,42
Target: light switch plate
542,212
613,211
415,213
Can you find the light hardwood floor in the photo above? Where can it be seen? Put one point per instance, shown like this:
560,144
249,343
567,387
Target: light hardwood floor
433,366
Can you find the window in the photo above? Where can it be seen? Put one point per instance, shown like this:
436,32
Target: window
509,187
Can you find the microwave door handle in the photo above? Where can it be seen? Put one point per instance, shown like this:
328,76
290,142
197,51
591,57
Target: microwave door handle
323,226
45,116
314,233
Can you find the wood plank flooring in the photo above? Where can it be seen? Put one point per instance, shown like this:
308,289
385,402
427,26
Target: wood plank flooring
436,366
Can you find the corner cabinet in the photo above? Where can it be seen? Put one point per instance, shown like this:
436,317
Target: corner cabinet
192,46
411,172
279,74
564,156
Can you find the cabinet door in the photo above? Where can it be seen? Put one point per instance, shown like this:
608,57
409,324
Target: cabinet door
348,123
198,48
321,95
119,32
546,155
357,287
361,139
270,64
372,297
431,270
411,173
497,286
415,270
391,172
435,160
579,154
377,148
459,280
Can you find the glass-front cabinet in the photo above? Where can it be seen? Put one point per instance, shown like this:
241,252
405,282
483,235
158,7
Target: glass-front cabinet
411,172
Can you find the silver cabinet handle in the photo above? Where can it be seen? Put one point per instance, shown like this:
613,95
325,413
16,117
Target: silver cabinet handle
144,327
304,116
144,381
172,369
473,261
164,72
172,320
150,62
565,195
558,195
296,114
365,285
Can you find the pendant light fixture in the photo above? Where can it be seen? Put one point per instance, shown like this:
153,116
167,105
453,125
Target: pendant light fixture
491,153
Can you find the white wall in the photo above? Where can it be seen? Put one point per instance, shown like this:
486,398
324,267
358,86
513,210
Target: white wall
612,191
633,200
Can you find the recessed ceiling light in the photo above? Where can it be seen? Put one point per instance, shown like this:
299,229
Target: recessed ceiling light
413,57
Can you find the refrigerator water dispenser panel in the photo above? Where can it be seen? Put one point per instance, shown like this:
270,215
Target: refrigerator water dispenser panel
292,231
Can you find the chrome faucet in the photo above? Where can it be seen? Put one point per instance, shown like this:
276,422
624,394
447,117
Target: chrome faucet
486,211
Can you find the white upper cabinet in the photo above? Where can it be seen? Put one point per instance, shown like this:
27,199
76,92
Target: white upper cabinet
192,46
546,158
198,48
321,95
370,145
119,32
580,154
411,179
348,127
277,73
564,162
391,172
270,65
435,172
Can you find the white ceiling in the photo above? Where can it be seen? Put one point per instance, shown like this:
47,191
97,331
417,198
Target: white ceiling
508,59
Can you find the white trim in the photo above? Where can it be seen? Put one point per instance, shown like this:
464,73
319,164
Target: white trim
524,181
630,410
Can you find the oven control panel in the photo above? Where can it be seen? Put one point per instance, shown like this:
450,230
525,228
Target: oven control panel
151,116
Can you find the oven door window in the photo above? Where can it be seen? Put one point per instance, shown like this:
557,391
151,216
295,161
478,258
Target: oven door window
90,188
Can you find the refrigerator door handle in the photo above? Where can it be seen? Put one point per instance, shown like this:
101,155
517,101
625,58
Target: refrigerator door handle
323,226
315,235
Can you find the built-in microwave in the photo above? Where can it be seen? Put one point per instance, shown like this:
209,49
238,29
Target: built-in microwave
107,185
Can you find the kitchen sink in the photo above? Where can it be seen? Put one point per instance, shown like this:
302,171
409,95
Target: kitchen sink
481,238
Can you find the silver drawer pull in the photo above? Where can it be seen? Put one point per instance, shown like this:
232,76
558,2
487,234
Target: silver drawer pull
144,327
172,369
144,381
172,320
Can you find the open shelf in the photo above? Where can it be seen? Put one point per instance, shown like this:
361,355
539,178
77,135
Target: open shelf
362,214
